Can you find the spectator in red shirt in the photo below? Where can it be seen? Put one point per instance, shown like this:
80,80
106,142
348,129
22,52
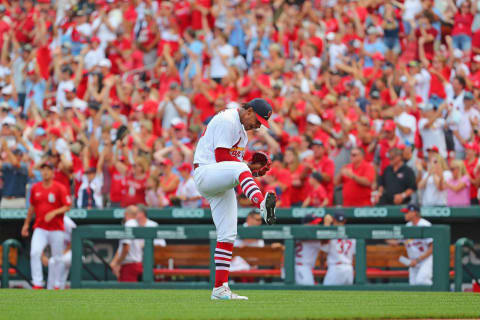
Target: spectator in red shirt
299,177
426,35
321,163
169,181
279,179
135,182
317,196
471,164
357,178
387,143
462,28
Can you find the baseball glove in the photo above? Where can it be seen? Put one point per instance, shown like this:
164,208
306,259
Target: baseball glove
260,164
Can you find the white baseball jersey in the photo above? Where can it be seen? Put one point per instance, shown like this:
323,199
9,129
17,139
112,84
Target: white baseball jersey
417,247
258,243
224,131
135,252
69,226
306,253
156,242
339,251
188,189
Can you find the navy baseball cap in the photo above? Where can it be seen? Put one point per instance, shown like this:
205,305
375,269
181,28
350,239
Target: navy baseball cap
410,207
339,216
263,110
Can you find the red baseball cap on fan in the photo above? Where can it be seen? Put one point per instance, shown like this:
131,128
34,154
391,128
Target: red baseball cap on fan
150,107
328,115
55,131
167,162
389,125
185,167
378,56
433,149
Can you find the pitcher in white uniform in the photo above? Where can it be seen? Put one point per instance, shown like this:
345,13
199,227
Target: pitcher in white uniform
218,169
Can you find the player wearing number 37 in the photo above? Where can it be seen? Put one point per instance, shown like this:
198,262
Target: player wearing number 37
340,254
219,168
49,201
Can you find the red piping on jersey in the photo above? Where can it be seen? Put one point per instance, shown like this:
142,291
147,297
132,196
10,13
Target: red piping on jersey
223,154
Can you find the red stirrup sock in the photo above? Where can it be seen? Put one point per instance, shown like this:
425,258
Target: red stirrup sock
250,188
223,257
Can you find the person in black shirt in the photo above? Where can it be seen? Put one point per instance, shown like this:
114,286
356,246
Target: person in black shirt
397,184
15,174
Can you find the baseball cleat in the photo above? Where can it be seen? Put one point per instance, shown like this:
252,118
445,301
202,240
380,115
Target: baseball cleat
267,208
224,293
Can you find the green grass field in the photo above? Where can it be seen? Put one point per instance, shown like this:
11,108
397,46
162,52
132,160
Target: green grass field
272,304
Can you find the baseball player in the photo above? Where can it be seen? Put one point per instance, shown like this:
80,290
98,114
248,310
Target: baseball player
49,201
127,262
306,253
219,168
62,276
419,250
339,255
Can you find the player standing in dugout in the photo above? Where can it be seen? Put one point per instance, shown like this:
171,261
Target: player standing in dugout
219,168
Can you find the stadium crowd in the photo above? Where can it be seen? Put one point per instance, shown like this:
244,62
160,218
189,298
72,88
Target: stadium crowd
375,102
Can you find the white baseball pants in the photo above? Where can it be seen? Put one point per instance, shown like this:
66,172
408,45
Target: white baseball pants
421,274
304,275
339,275
40,239
216,182
62,276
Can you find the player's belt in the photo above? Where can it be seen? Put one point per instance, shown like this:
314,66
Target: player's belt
195,166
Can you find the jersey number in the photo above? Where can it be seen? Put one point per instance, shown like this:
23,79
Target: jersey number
298,249
344,246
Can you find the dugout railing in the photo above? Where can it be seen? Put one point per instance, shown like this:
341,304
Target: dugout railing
286,233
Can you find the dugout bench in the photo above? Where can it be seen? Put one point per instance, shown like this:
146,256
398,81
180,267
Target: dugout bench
194,260
286,233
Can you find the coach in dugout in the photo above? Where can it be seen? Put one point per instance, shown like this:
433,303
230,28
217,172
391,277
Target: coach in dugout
127,262
420,258
419,250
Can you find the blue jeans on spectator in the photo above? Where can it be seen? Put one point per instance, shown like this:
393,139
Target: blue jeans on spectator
407,27
392,43
436,101
462,42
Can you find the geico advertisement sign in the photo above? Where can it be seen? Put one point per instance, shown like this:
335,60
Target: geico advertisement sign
188,213
22,213
435,212
13,213
77,214
370,212
302,212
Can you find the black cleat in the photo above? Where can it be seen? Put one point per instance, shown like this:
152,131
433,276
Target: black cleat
267,208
